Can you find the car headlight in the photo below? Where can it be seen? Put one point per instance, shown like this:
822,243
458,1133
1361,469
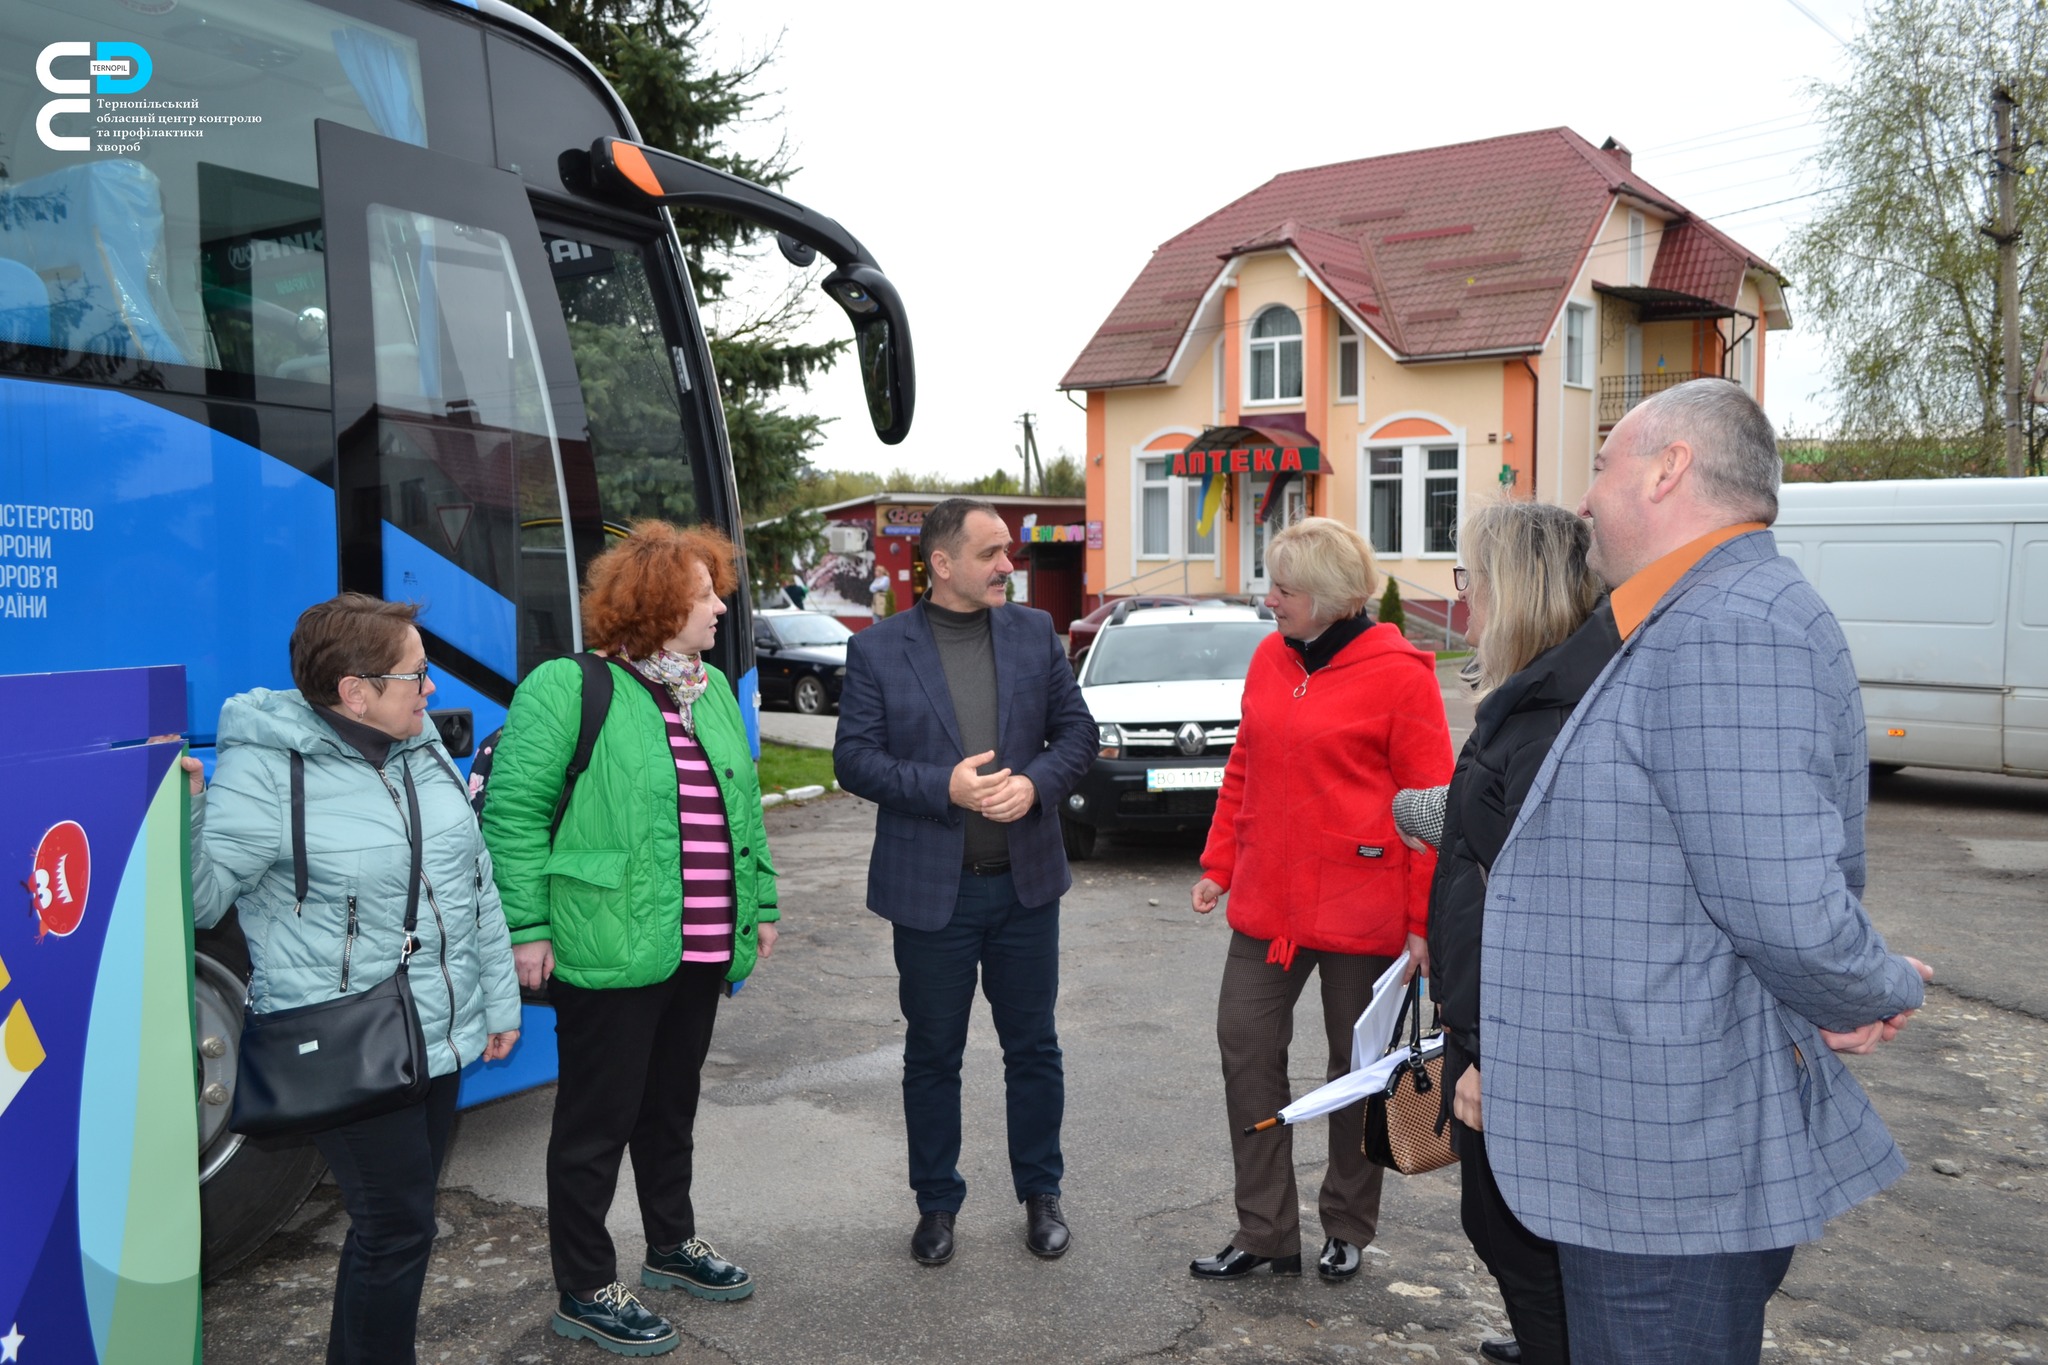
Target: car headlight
1109,741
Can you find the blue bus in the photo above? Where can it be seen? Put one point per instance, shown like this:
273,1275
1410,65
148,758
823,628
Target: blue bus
313,295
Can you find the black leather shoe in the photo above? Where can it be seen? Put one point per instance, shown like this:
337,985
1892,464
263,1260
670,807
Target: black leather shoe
1045,1227
932,1243
697,1267
1339,1261
616,1321
1504,1349
1232,1264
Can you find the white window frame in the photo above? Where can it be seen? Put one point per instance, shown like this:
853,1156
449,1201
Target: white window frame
1638,243
1745,363
1139,486
1252,344
1181,506
1413,481
1348,342
1582,314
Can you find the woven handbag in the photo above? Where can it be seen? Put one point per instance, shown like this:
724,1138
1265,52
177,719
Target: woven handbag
1405,1128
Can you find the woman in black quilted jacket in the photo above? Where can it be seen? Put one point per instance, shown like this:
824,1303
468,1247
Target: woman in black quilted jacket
1541,634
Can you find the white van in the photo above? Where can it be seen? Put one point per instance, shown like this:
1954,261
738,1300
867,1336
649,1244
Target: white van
1941,586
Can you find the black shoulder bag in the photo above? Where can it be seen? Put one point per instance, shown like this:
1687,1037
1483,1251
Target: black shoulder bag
317,1067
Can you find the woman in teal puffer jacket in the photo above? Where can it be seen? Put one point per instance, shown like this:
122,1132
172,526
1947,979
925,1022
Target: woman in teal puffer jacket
653,896
359,720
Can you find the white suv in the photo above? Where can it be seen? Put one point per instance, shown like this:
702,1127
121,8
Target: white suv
1165,686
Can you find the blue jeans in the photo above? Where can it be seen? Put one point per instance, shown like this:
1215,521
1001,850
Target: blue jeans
1663,1310
1017,951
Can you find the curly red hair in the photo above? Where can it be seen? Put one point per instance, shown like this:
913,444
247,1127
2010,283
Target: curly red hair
641,590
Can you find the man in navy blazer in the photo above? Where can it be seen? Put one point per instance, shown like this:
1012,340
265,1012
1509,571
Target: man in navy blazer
960,719
1675,944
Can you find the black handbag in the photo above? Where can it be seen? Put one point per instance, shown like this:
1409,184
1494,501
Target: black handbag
320,1066
1406,1126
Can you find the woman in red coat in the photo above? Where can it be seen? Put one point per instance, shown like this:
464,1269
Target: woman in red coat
1339,714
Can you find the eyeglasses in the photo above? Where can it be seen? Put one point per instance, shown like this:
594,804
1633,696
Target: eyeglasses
1461,578
418,680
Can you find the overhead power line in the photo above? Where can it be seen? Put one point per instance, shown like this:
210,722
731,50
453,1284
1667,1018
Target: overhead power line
1722,134
1819,22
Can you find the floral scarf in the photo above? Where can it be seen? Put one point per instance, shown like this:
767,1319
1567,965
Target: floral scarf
682,675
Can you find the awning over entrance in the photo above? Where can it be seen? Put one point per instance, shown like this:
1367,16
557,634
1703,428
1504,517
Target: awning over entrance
1269,449
1667,305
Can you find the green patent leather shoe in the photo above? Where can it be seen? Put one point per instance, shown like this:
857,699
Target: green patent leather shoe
616,1321
697,1268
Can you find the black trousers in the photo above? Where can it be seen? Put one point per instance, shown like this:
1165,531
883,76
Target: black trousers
388,1168
1524,1265
631,1063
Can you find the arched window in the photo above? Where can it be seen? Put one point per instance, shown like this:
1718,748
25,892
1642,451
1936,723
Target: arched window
1276,355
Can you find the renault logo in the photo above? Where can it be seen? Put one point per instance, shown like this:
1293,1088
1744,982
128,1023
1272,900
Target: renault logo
1191,739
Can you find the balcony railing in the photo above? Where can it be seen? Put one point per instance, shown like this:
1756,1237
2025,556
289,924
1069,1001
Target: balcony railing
1620,392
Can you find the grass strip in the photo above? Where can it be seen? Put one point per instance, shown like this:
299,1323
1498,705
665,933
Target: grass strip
784,766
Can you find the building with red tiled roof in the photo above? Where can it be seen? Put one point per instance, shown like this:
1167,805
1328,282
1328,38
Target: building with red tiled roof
1421,330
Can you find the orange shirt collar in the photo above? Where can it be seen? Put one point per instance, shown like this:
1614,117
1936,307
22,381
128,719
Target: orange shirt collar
1639,596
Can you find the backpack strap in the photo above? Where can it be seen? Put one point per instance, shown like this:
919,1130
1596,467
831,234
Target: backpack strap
300,880
597,702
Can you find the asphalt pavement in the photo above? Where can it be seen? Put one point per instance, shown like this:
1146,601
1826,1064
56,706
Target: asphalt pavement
800,1159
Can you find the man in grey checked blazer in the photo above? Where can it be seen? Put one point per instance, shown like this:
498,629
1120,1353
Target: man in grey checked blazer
1674,945
960,719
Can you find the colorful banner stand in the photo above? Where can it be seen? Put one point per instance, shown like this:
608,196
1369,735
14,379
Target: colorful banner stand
99,1262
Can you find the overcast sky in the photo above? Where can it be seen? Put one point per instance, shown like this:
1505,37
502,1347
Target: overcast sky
1013,170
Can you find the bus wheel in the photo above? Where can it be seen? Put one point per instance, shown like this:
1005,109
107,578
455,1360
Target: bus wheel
247,1189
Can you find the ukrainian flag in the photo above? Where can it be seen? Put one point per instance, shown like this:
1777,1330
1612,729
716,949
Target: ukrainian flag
1212,498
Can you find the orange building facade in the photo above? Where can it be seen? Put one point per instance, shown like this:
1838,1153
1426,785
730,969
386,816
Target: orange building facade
1420,331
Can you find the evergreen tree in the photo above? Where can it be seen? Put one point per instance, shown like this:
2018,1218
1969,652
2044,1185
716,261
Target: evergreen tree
1391,612
649,51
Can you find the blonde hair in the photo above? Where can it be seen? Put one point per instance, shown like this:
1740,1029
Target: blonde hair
1330,562
1531,559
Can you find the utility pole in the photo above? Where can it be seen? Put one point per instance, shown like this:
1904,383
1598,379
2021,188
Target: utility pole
1029,450
2006,233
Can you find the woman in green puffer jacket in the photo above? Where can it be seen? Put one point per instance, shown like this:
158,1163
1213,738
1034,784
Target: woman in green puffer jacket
654,895
358,719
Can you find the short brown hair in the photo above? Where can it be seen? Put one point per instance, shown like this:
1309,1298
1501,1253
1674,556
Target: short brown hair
350,636
946,525
641,589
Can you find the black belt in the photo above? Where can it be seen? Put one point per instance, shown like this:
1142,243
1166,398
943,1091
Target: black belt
993,867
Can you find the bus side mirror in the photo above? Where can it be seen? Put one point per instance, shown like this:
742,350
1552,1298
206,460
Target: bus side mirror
881,340
633,173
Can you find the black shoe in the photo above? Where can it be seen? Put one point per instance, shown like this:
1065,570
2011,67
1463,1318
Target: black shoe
1504,1349
1045,1227
697,1267
616,1321
1232,1264
932,1243
1340,1260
